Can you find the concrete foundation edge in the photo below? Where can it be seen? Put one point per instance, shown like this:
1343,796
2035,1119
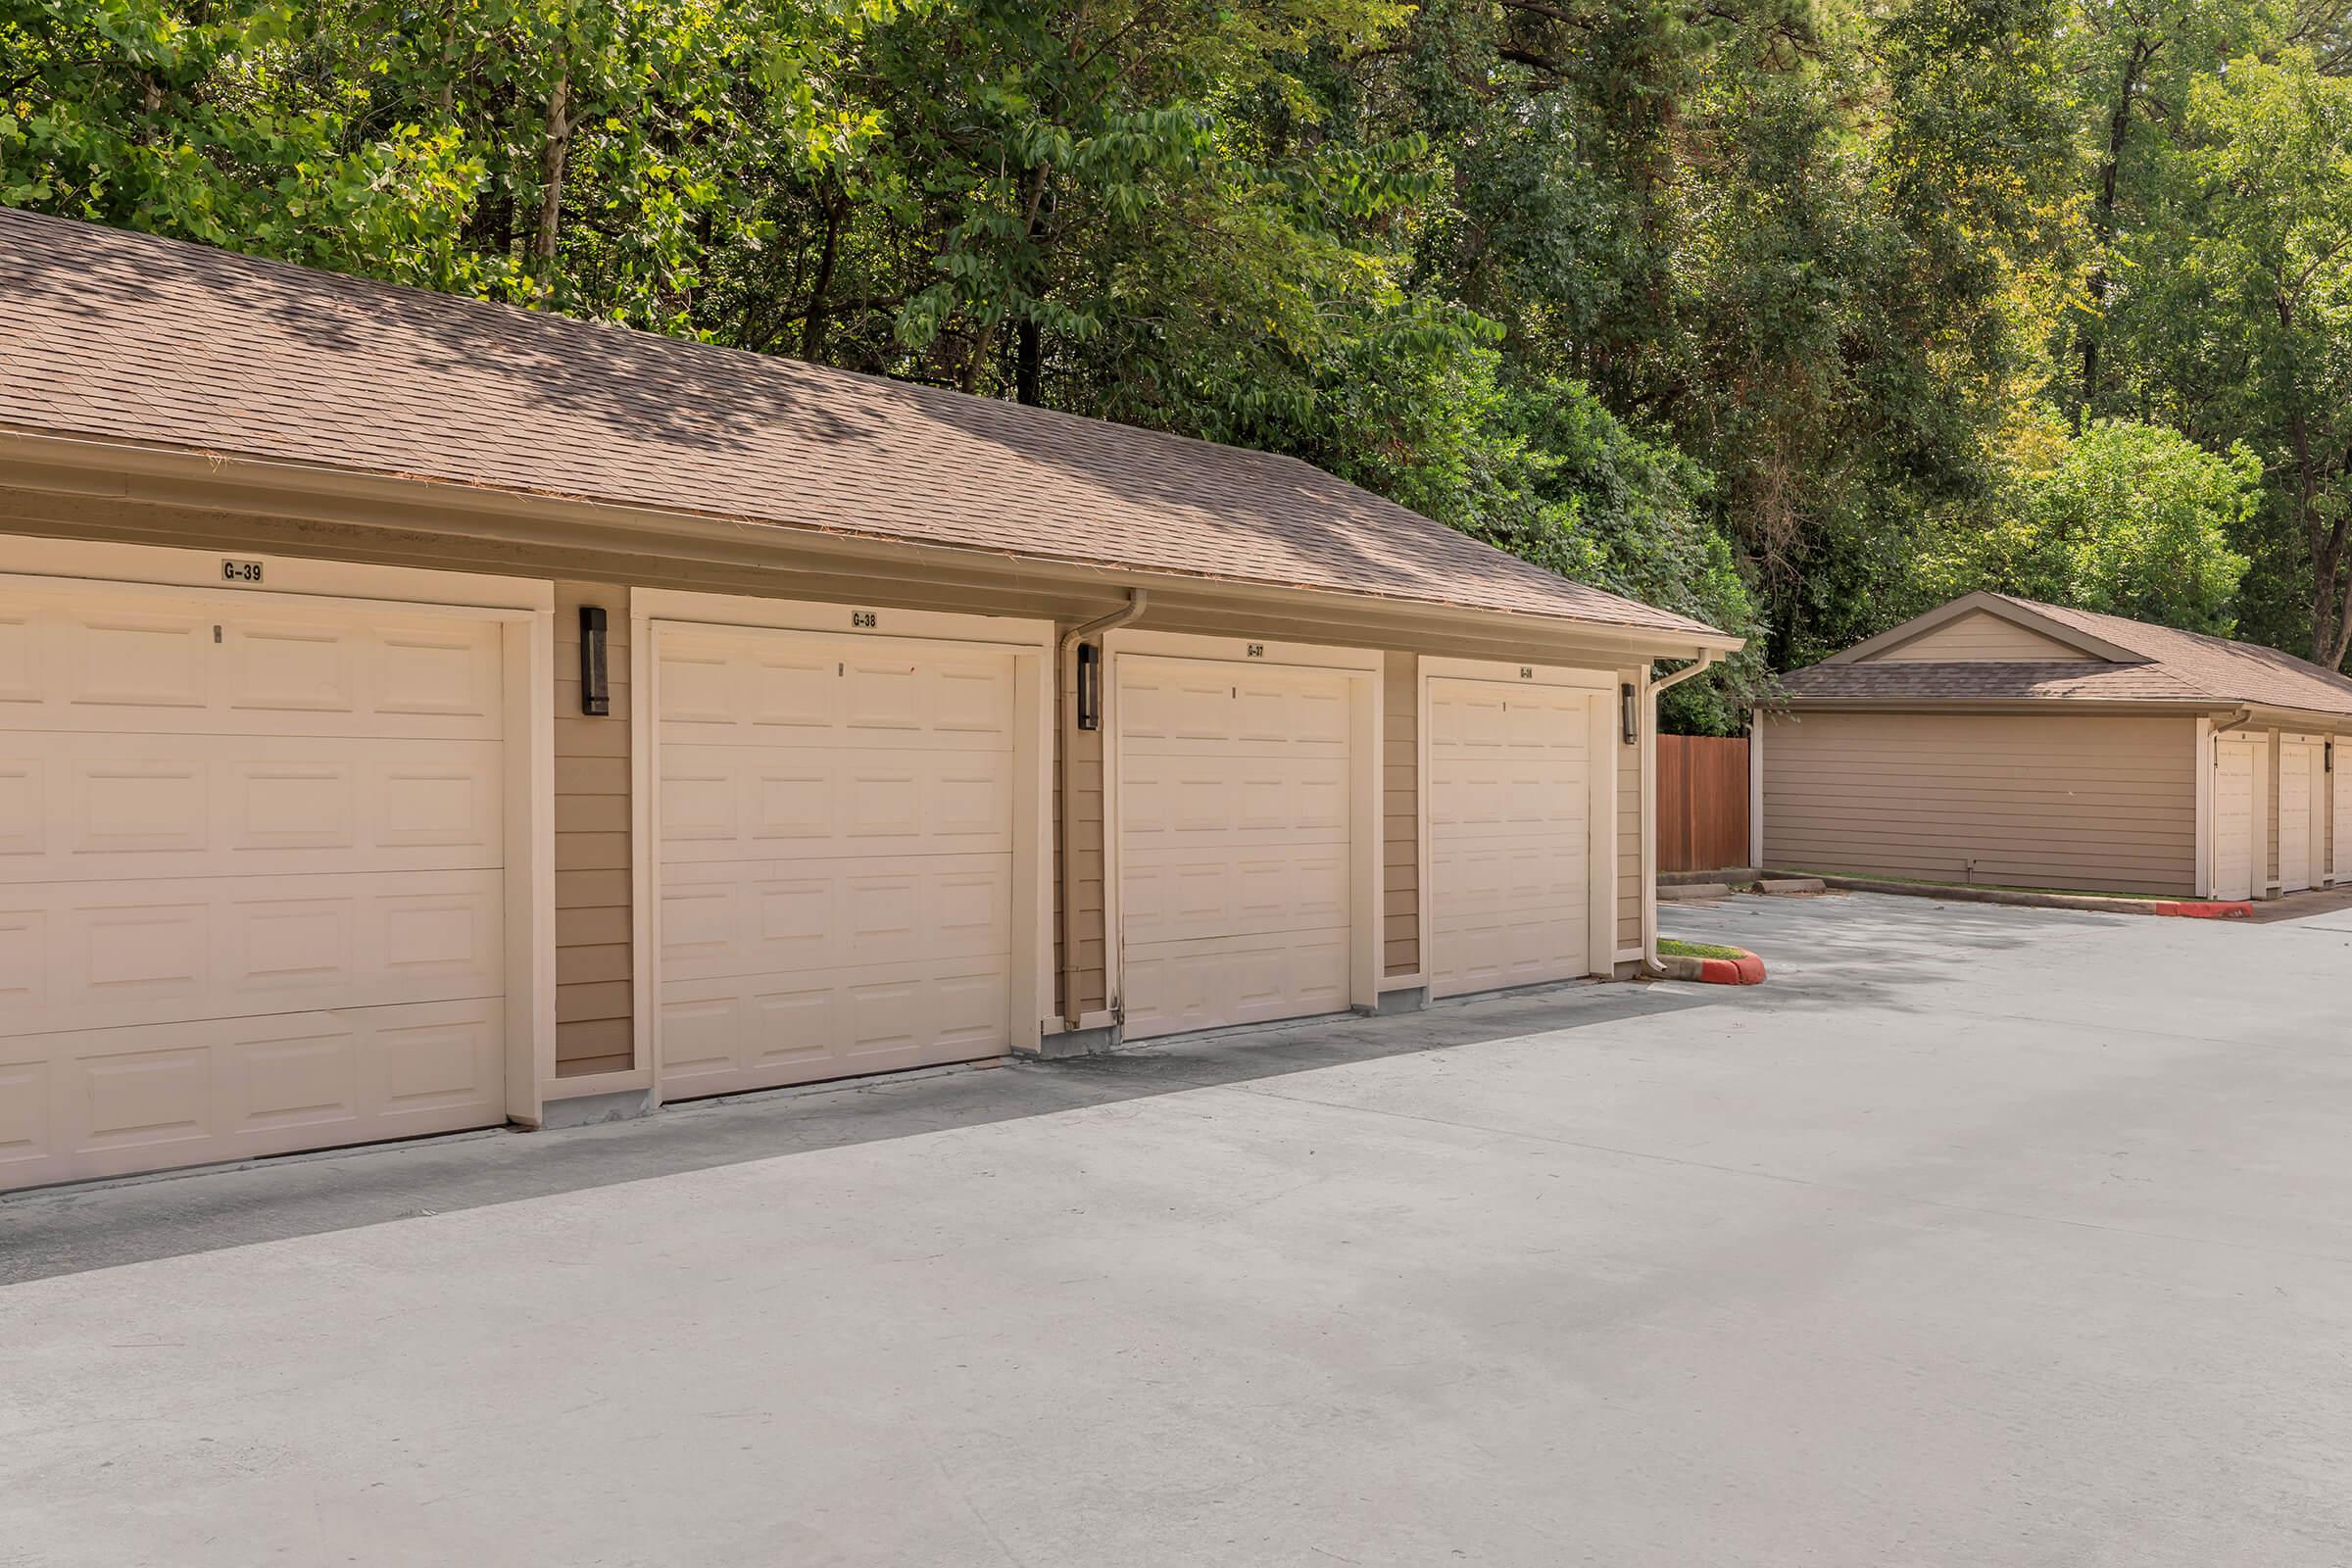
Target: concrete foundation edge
588,1110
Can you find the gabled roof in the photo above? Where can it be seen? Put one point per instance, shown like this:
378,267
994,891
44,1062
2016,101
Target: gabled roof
2138,662
120,337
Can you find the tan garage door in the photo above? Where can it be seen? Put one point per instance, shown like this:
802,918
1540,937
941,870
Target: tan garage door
836,856
1233,807
1510,834
250,880
2343,814
2232,818
2299,798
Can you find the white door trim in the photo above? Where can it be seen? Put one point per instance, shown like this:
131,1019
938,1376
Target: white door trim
2204,766
526,609
1601,850
1364,669
1031,642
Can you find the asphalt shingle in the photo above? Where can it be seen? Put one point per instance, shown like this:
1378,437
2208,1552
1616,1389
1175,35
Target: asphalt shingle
126,337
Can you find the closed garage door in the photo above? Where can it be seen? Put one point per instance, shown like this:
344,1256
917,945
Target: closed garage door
1510,833
2232,819
1234,844
251,888
2298,823
2343,816
836,856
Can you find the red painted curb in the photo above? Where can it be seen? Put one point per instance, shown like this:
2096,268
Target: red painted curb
2207,910
1745,970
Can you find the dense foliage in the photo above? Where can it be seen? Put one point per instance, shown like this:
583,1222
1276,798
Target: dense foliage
1796,315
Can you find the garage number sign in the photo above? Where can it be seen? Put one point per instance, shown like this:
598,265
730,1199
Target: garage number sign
248,571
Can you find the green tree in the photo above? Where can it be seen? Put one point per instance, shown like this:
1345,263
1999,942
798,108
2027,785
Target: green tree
2130,518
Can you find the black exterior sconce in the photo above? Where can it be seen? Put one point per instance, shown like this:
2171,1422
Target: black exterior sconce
1090,686
596,692
1629,715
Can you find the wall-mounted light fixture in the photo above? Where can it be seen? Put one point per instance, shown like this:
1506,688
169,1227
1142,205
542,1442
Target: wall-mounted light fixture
596,693
1628,715
1090,686
2328,757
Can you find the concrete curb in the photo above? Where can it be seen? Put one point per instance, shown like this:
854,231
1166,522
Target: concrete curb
1745,970
2184,909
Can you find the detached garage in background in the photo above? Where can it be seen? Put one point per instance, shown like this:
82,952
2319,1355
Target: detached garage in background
2000,741
420,714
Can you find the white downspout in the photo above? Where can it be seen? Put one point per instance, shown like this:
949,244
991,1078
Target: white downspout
1137,598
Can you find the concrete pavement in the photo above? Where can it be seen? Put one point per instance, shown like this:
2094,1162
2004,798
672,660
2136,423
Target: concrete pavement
1975,1235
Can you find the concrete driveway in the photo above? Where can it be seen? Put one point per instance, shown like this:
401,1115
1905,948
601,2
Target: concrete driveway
1979,1236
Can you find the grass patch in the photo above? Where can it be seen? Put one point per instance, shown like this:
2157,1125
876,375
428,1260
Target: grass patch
1672,948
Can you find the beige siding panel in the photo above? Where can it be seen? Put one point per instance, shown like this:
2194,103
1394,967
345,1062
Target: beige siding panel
2269,806
1086,806
592,845
1984,637
2101,804
1401,809
1629,841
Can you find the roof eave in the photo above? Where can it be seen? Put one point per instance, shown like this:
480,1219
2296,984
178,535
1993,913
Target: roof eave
146,470
2160,705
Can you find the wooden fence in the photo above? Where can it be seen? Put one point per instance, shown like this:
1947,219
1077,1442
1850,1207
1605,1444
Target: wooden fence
1702,802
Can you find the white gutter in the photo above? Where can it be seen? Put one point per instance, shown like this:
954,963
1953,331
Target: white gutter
1137,598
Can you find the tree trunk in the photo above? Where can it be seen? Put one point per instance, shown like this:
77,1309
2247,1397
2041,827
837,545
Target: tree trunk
984,339
1028,364
2102,222
554,149
812,324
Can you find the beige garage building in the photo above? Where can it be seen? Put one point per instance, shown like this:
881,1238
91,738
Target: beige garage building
417,715
1996,740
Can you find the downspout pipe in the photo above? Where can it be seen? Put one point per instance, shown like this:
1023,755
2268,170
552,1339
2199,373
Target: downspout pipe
1136,600
1649,797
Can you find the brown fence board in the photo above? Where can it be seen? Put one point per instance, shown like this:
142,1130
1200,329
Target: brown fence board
1702,802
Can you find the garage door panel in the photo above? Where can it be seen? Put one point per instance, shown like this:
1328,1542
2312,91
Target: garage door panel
836,858
1235,813
106,1102
91,806
251,886
2298,766
258,669
2342,777
730,1033
1510,830
721,802
781,918
1183,895
1176,986
775,689
98,956
2233,819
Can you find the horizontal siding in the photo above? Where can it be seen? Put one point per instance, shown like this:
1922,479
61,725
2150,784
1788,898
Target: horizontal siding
1400,814
1085,776
1984,637
2107,804
593,986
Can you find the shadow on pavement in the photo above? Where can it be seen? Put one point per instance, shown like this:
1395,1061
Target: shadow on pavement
72,1230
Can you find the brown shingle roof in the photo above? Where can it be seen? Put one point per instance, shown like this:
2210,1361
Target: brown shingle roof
2168,666
126,337
2235,672
1990,681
